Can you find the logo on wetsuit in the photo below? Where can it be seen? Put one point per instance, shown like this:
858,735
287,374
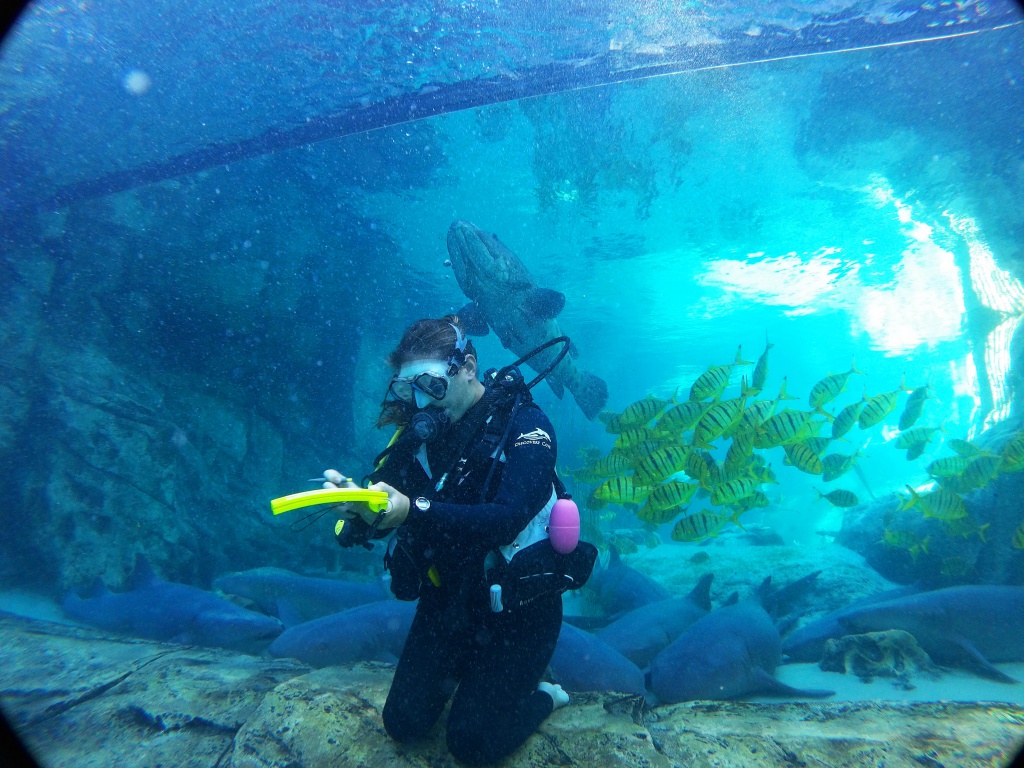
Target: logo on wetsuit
534,437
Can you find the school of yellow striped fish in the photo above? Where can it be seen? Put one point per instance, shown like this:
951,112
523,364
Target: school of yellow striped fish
659,441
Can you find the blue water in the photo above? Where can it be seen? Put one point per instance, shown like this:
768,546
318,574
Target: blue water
858,205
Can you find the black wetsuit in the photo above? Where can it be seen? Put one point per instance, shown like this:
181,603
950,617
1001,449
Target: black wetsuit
491,661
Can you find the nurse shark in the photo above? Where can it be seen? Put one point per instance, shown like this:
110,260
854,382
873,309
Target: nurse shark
371,632
503,297
969,626
295,599
583,662
729,653
645,632
169,612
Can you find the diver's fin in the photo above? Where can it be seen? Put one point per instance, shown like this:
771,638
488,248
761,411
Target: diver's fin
473,319
543,303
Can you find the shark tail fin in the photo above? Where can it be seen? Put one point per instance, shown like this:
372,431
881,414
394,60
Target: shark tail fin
591,394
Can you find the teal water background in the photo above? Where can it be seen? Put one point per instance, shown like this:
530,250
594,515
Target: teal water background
837,203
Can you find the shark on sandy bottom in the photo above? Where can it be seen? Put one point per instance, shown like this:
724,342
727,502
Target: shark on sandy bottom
730,653
807,643
296,599
503,297
583,662
645,632
177,613
967,626
371,632
620,588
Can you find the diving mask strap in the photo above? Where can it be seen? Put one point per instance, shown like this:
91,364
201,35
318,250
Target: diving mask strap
458,357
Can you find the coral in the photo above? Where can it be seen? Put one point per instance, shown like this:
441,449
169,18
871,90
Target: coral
893,653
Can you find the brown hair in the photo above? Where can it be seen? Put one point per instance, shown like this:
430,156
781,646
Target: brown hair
426,339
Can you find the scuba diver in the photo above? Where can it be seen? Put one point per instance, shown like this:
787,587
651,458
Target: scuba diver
470,478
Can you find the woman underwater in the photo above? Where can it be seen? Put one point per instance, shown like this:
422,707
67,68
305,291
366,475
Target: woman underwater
470,478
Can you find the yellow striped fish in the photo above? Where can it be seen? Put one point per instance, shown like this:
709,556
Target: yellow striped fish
940,504
741,449
715,379
757,412
634,454
914,408
829,388
915,450
760,375
613,464
642,411
622,490
840,497
635,435
964,448
966,527
655,516
720,419
948,466
880,406
754,500
915,435
697,467
848,417
682,417
662,463
782,428
818,444
982,470
837,464
672,494
1013,453
903,539
803,458
727,493
702,525
1018,538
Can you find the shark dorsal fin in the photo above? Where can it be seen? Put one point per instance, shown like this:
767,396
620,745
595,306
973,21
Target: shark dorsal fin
700,595
98,589
142,575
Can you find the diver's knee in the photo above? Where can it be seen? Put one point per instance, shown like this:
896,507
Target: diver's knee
469,748
402,724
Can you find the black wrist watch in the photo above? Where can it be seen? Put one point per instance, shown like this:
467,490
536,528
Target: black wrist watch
422,503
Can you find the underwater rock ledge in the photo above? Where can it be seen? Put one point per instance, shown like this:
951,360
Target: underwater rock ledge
84,698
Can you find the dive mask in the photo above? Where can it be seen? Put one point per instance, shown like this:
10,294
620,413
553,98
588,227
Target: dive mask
422,381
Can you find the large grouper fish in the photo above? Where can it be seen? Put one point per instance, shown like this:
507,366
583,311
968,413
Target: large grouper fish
503,297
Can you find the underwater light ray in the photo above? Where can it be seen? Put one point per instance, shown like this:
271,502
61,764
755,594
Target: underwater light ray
435,99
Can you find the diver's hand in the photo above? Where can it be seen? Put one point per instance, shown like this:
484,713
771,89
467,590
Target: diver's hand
333,479
397,509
